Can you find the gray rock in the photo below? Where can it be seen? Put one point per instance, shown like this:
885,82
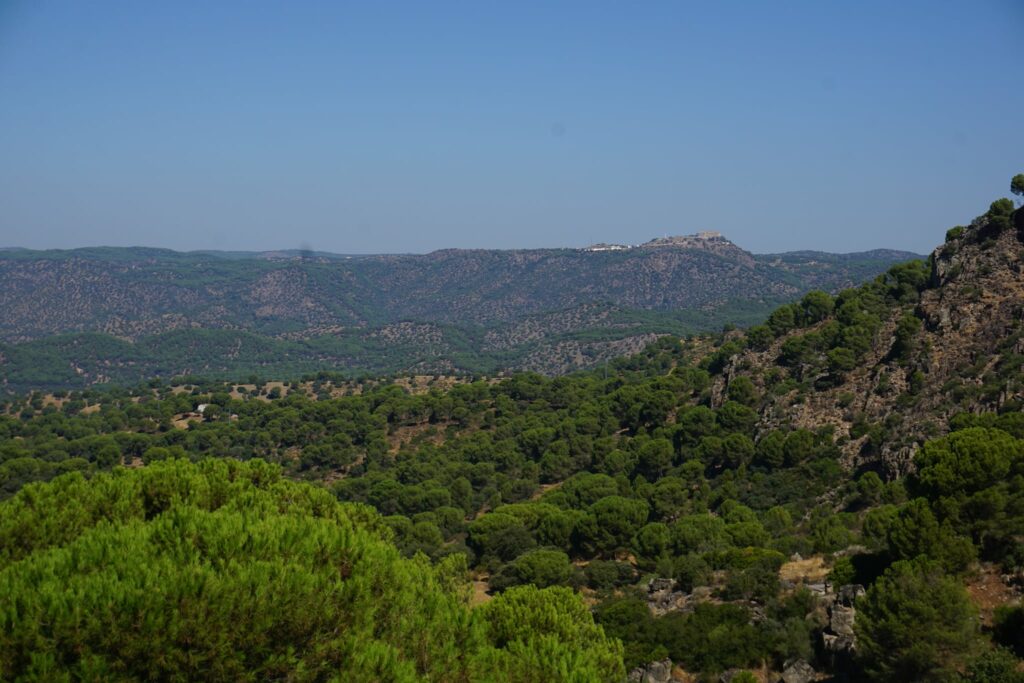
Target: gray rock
849,593
654,672
662,599
841,620
839,645
798,671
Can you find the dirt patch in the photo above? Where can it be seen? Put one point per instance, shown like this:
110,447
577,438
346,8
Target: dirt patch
544,488
342,472
479,594
408,433
421,384
988,591
241,391
183,420
810,570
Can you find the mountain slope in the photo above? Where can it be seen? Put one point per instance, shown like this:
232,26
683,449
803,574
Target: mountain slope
551,310
895,360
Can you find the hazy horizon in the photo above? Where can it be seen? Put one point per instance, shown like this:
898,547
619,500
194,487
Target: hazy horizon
407,128
15,247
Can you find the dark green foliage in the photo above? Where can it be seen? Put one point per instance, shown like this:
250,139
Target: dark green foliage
916,532
541,568
1009,628
611,524
630,621
690,571
997,219
606,574
816,306
743,391
710,639
967,461
713,638
906,329
994,666
798,447
758,580
1017,184
914,624
652,543
770,450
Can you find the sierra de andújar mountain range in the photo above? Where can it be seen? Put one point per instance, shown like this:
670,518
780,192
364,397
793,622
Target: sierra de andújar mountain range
83,316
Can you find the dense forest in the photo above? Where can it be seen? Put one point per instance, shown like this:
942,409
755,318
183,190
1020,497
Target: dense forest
77,318
695,508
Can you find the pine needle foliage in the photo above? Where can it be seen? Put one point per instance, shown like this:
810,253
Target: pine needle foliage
225,571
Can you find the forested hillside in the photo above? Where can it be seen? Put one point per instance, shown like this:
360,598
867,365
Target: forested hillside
837,492
70,319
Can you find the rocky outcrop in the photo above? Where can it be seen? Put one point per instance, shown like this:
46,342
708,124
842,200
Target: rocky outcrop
962,356
839,638
662,597
798,671
654,672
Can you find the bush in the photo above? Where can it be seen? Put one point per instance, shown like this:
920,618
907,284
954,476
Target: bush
1009,627
915,624
607,574
541,568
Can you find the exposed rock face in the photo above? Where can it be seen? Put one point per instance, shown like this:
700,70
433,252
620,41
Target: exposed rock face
655,672
849,594
798,671
841,620
839,639
662,597
971,314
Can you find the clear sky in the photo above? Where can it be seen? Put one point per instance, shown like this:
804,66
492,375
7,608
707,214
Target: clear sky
406,127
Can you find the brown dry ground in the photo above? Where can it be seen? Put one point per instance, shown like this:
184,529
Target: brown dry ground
809,570
409,433
479,595
988,591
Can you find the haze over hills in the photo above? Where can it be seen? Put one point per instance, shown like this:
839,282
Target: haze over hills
120,314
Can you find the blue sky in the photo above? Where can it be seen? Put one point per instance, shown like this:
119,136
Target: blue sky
407,127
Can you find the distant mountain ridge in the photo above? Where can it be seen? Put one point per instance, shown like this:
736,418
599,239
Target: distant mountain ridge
448,310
